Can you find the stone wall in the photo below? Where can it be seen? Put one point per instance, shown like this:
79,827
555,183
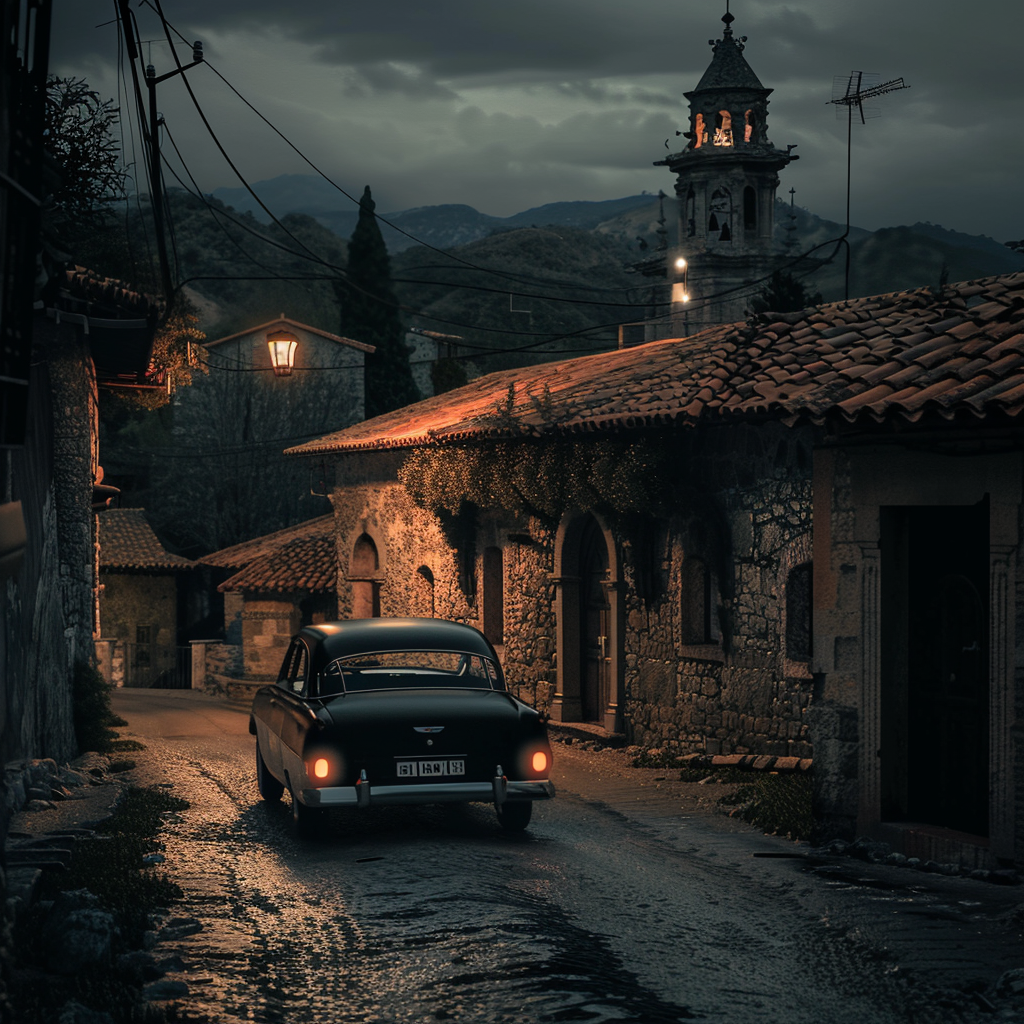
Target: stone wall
749,522
130,600
268,624
856,712
747,519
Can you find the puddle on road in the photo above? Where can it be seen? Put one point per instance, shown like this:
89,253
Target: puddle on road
288,937
503,954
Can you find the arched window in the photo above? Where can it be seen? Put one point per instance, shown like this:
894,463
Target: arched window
748,128
700,132
695,603
720,214
493,597
423,593
723,128
363,575
691,212
798,612
749,209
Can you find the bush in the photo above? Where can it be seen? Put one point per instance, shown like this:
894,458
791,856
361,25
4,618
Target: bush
777,804
91,709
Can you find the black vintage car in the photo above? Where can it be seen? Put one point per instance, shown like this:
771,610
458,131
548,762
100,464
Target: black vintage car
397,711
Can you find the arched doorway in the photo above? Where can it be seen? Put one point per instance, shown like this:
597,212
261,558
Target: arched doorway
363,570
589,613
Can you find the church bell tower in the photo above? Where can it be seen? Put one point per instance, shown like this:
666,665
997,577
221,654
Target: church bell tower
726,179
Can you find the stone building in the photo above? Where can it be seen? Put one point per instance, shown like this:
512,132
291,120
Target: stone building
143,603
733,543
236,419
274,585
726,178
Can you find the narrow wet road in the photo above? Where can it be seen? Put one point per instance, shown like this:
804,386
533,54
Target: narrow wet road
419,914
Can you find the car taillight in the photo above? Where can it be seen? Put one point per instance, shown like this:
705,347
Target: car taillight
321,768
539,762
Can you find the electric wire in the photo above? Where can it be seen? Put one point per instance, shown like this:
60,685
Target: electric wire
546,336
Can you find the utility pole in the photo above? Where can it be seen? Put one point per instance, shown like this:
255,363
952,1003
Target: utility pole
150,132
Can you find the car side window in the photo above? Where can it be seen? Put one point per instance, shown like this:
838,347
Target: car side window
285,671
297,669
293,669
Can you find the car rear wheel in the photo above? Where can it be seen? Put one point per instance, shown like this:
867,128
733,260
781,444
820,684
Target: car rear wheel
514,817
270,789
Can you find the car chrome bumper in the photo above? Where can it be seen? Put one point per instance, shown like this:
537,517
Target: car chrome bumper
364,794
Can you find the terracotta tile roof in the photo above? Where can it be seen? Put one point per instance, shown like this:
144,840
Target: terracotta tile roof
240,555
904,355
283,323
307,563
105,296
127,541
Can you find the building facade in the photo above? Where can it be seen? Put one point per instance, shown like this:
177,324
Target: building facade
789,538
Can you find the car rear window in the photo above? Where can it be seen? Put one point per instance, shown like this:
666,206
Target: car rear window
393,670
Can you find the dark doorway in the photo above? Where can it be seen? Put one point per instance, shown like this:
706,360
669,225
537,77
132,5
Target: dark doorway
935,677
595,620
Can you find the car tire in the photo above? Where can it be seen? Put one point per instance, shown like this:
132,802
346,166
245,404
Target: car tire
308,821
514,817
270,789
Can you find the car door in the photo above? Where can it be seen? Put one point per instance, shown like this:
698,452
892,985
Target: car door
294,716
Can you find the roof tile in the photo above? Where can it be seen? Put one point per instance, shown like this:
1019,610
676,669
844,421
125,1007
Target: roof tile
127,541
895,354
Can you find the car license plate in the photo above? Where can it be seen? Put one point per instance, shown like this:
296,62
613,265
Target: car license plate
430,769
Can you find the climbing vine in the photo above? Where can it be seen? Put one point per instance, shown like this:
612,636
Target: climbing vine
616,478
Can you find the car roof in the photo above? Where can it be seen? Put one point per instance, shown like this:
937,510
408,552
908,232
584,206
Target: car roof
364,636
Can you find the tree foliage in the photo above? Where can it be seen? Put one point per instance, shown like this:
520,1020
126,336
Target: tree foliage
81,139
783,293
369,313
175,357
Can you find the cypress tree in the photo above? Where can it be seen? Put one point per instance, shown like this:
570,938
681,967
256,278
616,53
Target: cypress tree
783,293
369,313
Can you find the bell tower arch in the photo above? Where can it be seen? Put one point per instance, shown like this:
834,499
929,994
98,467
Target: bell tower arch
726,178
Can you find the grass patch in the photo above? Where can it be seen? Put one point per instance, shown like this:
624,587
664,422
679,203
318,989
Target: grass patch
657,759
110,866
778,804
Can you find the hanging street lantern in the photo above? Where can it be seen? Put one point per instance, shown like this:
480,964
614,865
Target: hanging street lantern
282,345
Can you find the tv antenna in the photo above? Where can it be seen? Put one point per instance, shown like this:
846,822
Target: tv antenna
851,91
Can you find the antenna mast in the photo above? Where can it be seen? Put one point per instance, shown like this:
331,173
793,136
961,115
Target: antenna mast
852,92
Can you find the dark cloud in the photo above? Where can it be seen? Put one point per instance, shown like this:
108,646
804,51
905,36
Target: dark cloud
391,79
507,104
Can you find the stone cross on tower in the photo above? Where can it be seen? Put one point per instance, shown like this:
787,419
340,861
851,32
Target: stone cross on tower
726,179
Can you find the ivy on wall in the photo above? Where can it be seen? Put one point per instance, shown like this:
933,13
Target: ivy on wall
616,478
636,485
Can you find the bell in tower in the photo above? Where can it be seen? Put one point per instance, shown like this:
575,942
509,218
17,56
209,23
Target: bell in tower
726,179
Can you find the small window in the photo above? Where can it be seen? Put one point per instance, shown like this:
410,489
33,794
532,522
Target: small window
423,592
723,128
696,603
494,596
143,634
748,128
799,606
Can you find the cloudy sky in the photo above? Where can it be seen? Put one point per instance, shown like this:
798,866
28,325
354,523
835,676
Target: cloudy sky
508,105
